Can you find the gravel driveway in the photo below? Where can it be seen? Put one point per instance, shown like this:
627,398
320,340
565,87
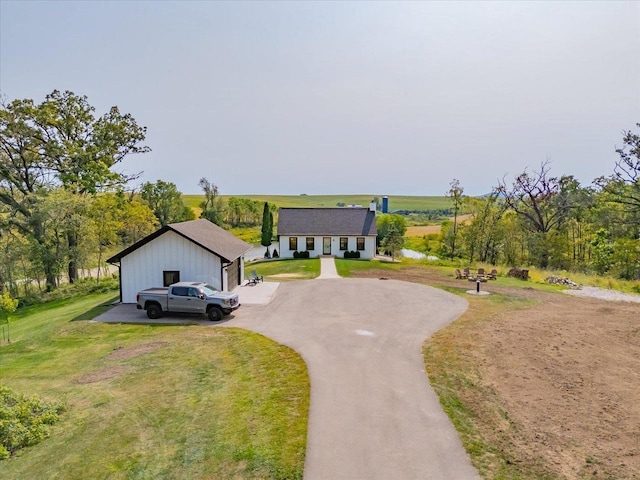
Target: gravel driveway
373,414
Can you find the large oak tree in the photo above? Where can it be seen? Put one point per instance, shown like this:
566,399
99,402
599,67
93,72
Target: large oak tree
59,143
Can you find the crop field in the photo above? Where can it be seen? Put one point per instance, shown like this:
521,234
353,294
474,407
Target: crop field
396,202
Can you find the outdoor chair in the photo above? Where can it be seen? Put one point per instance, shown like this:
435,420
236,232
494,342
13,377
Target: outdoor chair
466,273
493,275
255,278
458,274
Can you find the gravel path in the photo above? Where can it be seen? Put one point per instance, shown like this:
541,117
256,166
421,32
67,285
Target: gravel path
603,294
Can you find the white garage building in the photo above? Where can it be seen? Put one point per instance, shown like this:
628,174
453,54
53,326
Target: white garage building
197,250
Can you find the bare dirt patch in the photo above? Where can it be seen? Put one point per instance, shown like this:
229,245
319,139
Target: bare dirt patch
284,276
119,353
565,375
125,353
101,375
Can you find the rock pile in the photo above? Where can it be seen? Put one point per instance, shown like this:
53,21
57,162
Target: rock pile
562,281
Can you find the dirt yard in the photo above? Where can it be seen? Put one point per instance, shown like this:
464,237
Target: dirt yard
564,373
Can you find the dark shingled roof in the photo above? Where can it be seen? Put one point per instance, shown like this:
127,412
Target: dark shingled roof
327,221
201,232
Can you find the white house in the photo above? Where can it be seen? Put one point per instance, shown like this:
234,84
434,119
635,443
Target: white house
197,250
328,231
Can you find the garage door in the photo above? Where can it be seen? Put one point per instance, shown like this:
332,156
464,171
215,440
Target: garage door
233,275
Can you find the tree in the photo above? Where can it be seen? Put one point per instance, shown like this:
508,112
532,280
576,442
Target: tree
105,224
602,252
138,221
389,221
455,193
8,305
542,203
623,187
166,202
393,242
59,142
212,204
267,226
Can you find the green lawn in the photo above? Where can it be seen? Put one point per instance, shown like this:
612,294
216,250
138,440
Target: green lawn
286,269
396,202
155,401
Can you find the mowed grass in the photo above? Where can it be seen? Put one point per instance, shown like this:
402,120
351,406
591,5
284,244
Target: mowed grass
155,401
286,269
396,202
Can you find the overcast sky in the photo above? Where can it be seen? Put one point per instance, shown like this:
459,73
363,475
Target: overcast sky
341,97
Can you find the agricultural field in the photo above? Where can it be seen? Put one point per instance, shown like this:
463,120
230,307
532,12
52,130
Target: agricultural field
396,202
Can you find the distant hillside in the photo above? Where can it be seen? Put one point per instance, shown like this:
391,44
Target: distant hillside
396,202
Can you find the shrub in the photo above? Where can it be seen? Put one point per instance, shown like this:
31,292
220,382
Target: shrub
352,254
24,421
275,254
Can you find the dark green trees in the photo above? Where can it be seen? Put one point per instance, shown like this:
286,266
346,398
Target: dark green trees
267,226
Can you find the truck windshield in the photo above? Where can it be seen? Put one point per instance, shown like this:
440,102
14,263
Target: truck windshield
209,290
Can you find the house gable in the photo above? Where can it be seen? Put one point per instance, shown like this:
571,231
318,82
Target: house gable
144,267
203,233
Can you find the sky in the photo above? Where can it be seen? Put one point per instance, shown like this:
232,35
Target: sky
385,98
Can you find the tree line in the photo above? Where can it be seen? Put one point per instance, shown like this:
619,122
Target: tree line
64,204
554,221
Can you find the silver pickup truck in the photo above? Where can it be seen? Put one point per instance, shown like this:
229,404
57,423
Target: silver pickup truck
187,297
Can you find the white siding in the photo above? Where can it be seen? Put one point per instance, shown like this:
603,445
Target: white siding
143,267
368,252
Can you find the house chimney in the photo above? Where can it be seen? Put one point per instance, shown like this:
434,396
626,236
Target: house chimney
372,206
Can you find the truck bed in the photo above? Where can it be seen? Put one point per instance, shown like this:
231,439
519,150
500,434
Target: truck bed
156,291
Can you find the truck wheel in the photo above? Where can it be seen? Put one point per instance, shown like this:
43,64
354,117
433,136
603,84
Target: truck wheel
154,311
215,314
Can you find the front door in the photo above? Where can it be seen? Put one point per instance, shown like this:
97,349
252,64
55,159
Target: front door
326,246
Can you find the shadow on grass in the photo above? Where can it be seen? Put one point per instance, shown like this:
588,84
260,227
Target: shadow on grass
97,310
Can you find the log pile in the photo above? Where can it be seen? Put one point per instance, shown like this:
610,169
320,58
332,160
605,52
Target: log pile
518,273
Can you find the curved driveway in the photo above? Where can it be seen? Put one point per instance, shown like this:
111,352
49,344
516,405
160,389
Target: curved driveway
373,414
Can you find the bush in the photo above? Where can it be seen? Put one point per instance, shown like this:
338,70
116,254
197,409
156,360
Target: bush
275,254
24,421
304,254
352,254
79,288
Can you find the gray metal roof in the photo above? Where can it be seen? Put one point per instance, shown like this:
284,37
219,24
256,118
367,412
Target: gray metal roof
327,221
202,232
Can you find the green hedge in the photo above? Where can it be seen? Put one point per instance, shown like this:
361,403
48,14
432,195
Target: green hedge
304,254
352,254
